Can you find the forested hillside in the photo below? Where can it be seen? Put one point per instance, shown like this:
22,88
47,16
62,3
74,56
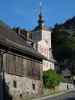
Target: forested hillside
63,43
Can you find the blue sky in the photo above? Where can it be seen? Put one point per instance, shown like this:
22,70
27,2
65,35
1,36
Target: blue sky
24,13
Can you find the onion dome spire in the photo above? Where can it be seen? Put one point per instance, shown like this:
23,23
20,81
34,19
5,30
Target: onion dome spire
41,18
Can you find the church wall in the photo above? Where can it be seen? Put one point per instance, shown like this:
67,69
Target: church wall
43,48
52,65
46,35
48,65
36,36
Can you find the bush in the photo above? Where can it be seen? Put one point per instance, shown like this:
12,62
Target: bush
51,79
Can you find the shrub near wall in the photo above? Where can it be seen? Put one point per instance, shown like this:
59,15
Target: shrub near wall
51,79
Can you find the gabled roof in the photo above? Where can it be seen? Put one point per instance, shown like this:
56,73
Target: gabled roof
41,24
10,39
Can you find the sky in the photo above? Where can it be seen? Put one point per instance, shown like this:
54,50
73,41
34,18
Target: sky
24,13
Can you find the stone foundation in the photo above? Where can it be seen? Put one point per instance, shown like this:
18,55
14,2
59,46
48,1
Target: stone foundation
20,87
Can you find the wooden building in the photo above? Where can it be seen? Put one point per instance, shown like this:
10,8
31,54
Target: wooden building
20,66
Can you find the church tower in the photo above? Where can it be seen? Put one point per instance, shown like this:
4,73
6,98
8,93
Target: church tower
41,35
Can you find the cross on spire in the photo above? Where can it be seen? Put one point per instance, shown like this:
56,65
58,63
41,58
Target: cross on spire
41,19
40,6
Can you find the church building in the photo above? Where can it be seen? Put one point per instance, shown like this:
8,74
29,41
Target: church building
41,35
23,60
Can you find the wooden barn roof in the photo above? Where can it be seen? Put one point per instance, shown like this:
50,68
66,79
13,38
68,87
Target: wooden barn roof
9,39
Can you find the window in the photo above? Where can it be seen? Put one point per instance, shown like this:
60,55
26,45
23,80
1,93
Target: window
15,65
11,64
20,95
33,85
36,70
14,84
19,66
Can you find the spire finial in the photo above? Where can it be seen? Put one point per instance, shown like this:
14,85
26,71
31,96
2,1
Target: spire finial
40,6
41,20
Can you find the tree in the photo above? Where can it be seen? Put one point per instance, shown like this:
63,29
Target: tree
3,24
51,79
63,42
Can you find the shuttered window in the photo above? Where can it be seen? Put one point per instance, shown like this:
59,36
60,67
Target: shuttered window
36,70
25,61
19,66
11,64
29,68
15,65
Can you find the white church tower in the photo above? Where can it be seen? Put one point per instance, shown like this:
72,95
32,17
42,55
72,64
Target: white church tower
41,35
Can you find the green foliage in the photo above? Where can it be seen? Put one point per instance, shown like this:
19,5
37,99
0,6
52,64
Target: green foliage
51,79
63,43
63,40
3,24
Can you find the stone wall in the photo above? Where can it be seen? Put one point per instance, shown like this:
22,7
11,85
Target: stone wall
20,87
64,86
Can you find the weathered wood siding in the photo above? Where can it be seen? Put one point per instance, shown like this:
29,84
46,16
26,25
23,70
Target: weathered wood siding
20,66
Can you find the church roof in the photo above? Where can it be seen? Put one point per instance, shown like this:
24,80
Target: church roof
41,24
39,28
